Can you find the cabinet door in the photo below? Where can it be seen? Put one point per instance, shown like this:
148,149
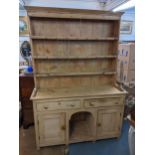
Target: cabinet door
51,128
109,122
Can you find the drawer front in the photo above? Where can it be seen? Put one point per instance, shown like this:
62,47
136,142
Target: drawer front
110,101
56,105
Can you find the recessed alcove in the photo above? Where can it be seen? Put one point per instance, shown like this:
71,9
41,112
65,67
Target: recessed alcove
81,126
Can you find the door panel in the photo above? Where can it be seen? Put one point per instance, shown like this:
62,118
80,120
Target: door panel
108,122
52,128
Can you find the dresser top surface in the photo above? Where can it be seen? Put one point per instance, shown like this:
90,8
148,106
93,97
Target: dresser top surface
78,92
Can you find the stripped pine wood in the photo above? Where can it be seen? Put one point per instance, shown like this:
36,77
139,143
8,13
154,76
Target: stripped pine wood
74,55
74,58
72,82
76,92
72,66
77,49
72,13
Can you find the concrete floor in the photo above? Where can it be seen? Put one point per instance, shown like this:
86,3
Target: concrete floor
27,144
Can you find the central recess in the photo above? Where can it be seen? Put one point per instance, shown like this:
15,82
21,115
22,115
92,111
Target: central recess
81,126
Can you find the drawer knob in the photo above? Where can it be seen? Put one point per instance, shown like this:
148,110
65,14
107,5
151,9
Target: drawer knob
45,107
116,102
91,104
59,103
99,124
63,127
72,105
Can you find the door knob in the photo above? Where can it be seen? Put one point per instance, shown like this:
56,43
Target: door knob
91,104
45,107
59,103
72,105
63,127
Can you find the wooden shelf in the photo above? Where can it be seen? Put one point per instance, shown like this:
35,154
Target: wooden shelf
74,74
70,58
72,38
74,17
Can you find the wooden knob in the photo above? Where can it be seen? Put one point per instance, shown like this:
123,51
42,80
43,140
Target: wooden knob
59,103
45,107
63,127
72,105
91,104
116,102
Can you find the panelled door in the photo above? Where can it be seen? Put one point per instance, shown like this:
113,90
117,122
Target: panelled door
51,128
109,122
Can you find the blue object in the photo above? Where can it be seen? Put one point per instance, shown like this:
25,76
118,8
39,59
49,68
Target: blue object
29,69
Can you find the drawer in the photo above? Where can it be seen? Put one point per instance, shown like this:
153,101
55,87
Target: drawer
56,105
99,102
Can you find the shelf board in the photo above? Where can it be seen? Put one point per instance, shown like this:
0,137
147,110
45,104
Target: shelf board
73,38
74,74
70,58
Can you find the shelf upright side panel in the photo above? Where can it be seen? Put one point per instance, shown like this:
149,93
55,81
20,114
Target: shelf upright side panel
115,47
32,50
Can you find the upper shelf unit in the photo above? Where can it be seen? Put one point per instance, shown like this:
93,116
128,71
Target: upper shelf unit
73,48
73,29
